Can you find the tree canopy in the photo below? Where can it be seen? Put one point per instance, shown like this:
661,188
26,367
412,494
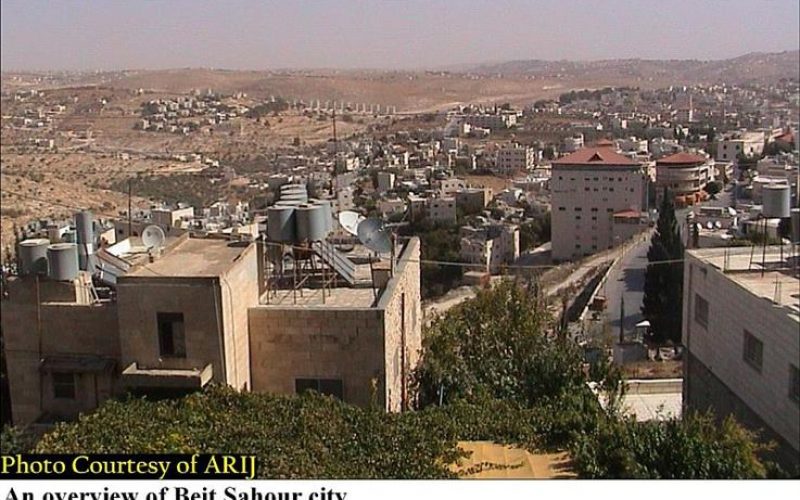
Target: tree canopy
662,304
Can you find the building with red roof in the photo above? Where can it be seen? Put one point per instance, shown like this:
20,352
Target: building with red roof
588,188
685,175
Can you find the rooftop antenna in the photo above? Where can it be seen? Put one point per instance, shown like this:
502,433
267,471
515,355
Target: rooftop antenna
153,237
374,235
350,220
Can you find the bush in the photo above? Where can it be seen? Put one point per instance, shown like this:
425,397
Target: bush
692,448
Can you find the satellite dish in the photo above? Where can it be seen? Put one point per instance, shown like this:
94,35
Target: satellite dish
374,235
709,225
349,221
153,237
718,224
732,211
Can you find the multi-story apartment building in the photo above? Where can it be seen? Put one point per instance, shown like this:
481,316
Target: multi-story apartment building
491,246
514,157
588,188
732,145
684,175
497,121
740,331
442,209
473,200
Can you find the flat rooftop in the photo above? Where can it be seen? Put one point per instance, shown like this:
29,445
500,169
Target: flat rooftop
348,298
193,258
779,282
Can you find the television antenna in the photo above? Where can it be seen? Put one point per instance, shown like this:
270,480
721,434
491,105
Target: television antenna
374,235
153,237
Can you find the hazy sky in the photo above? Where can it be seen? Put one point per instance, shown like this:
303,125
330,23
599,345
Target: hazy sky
249,34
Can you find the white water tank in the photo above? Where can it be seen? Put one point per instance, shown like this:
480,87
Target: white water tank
776,201
33,256
62,260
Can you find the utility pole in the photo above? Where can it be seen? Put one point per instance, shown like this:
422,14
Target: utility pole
130,213
622,319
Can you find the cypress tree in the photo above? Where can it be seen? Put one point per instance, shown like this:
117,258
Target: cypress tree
663,286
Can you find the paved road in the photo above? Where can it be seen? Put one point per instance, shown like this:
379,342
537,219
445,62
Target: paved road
626,280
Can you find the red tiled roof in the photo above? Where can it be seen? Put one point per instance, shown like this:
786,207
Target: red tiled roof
596,156
681,159
788,137
603,143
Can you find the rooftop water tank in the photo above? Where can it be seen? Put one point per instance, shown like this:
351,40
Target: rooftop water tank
33,256
311,225
62,259
84,237
281,223
328,212
776,201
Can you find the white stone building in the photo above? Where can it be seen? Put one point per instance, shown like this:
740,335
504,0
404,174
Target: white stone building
740,330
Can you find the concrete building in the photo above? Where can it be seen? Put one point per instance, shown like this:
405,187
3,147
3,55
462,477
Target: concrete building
496,121
573,143
386,181
684,174
491,246
450,186
740,330
730,146
167,217
473,200
514,157
203,310
588,188
442,209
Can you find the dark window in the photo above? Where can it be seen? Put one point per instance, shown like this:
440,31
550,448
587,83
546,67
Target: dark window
171,336
561,209
701,310
794,383
329,387
753,351
64,385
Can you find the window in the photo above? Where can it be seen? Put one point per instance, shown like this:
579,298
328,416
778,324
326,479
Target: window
701,310
329,387
794,383
171,336
561,209
64,385
753,351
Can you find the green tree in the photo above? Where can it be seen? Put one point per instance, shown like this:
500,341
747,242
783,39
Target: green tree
496,346
663,286
713,188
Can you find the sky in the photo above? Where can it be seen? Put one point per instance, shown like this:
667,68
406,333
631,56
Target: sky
382,34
